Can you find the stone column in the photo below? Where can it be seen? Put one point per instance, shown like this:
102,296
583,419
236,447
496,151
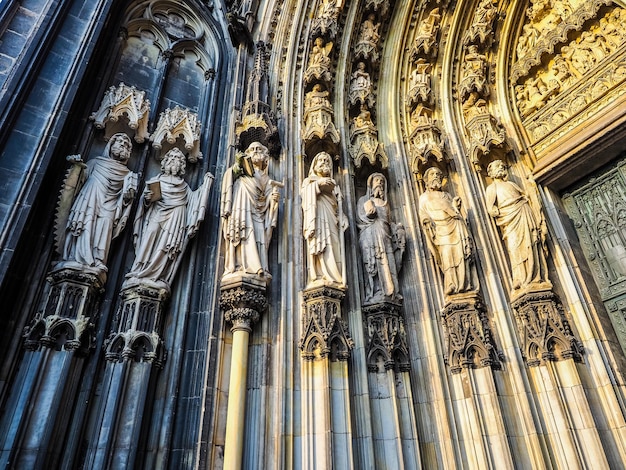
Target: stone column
57,340
134,351
326,345
242,299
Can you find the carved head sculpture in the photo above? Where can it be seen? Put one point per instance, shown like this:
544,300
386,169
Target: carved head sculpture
433,177
497,170
174,163
259,155
119,147
377,186
322,165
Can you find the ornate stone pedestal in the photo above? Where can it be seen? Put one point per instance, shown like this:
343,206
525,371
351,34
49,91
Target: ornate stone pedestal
242,300
468,338
543,329
384,324
57,340
133,350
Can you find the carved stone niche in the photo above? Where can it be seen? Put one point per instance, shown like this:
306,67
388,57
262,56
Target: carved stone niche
124,102
386,338
243,299
66,320
482,129
425,139
178,123
468,339
139,321
324,333
364,142
544,331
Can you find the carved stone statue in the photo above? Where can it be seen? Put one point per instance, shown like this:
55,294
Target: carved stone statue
523,228
474,76
419,83
447,234
369,30
324,224
318,116
168,216
361,87
481,27
100,210
319,62
382,242
250,210
425,41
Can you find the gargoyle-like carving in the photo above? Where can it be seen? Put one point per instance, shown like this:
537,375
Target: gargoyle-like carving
175,123
318,116
425,42
318,68
382,242
124,101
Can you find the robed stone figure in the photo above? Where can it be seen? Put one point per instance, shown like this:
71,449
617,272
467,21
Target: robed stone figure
168,216
447,234
250,211
522,225
100,209
323,225
382,242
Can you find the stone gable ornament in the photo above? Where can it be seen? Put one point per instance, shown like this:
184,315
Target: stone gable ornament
483,130
94,206
419,84
382,242
168,216
178,123
447,235
425,139
250,213
125,102
324,223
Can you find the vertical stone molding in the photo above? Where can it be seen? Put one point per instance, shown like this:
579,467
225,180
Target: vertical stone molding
66,320
139,322
324,332
543,328
386,337
468,339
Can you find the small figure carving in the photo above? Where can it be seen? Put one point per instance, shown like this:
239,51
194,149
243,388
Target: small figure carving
361,87
523,227
474,73
425,42
481,28
447,234
250,212
419,84
528,39
101,208
169,215
318,116
366,47
382,242
324,224
364,140
319,62
325,23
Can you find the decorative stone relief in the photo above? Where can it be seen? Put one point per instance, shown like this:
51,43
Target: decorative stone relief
481,29
366,47
318,116
243,301
522,226
474,73
543,329
325,21
94,206
386,338
168,216
361,87
379,6
425,139
425,42
125,102
138,321
469,342
447,235
323,225
419,84
364,142
250,213
483,130
66,323
318,68
382,243
324,333
175,123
